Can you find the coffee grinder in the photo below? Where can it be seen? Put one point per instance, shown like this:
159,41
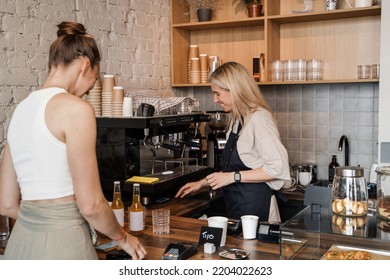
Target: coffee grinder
216,139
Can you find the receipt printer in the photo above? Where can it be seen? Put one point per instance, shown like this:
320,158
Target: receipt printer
268,232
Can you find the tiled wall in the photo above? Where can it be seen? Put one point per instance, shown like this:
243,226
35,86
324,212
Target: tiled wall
312,118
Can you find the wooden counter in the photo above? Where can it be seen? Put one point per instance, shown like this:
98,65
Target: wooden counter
185,229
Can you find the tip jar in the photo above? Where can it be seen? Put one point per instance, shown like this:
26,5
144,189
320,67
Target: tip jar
383,192
349,192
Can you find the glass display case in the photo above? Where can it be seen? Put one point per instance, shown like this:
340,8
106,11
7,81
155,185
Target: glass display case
316,233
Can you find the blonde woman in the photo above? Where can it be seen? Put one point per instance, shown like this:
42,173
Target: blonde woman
49,180
254,161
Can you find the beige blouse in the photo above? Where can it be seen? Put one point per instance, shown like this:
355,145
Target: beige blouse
259,145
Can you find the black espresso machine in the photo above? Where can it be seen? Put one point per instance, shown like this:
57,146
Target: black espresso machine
216,139
149,147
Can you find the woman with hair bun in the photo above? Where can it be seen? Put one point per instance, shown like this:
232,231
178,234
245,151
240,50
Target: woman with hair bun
49,180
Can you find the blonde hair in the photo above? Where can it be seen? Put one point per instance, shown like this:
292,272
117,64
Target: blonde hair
245,93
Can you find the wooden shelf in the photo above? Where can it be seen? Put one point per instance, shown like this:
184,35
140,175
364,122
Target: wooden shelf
349,81
342,39
319,16
259,21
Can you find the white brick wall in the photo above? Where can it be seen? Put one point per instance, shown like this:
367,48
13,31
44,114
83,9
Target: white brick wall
133,36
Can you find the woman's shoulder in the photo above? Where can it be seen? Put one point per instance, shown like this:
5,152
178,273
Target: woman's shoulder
260,115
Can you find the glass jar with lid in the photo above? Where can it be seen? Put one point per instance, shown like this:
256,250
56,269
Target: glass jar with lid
383,192
349,191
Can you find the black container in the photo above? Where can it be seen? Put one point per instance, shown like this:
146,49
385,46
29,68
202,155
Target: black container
145,110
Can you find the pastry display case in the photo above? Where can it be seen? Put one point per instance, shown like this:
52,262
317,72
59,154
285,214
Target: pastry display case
316,233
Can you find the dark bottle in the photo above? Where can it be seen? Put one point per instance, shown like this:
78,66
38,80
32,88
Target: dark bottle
332,168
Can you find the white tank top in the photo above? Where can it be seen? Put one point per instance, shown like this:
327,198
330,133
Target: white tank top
39,158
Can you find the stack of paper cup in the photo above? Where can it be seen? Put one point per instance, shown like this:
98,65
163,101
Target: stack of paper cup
204,68
192,53
94,97
107,88
195,71
117,101
127,109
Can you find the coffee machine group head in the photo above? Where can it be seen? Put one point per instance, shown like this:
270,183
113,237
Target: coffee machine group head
216,139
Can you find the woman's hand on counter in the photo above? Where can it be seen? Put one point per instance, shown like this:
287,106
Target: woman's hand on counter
190,188
132,246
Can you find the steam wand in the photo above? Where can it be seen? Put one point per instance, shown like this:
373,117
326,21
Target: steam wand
146,133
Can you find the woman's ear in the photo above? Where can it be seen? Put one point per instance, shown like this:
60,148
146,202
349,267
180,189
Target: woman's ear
86,64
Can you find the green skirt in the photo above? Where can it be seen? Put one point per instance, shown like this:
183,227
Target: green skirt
50,231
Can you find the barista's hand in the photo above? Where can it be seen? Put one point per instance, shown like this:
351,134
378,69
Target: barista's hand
191,188
218,180
132,246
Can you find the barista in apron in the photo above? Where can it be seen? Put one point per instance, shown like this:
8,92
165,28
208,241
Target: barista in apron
243,198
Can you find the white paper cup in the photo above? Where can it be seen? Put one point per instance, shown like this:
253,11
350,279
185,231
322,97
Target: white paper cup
249,226
219,222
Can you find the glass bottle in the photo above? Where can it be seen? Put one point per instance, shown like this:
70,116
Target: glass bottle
332,168
117,204
136,212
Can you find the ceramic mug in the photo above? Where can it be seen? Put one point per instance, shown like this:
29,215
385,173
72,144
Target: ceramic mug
304,178
364,3
289,183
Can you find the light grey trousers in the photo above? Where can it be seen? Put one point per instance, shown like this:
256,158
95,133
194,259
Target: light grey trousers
50,231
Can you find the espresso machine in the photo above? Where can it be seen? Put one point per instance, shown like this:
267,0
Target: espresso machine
216,139
151,147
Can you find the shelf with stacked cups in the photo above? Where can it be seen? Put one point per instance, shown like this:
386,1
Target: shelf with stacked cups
94,97
200,66
107,90
108,100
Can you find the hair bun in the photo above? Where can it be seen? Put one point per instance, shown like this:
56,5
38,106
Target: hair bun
70,28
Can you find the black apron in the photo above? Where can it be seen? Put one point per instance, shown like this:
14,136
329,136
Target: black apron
243,198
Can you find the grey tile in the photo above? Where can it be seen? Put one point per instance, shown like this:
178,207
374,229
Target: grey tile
322,132
294,145
282,118
366,90
295,91
322,91
366,133
308,91
308,118
283,131
321,146
366,104
294,105
350,90
322,118
335,132
281,105
281,91
294,118
335,118
308,145
308,132
336,91
351,104
366,119
350,118
322,104
365,147
336,105
308,105
294,131
351,131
